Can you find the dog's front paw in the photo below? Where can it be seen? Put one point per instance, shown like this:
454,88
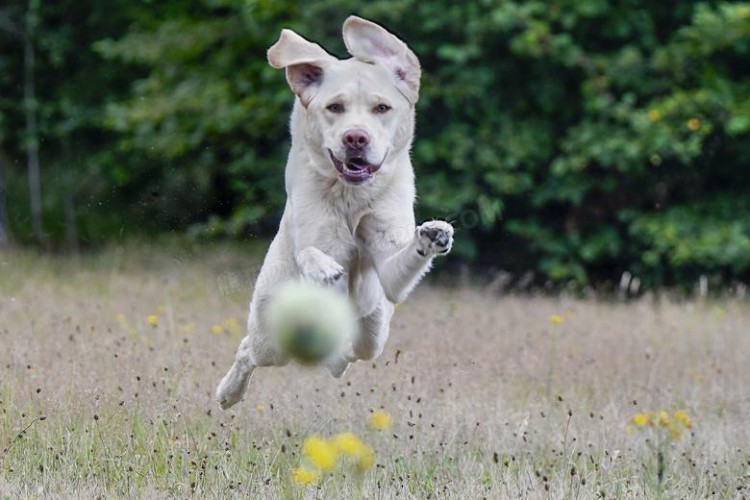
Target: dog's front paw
434,237
317,267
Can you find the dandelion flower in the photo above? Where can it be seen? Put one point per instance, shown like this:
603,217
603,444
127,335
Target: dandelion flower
556,319
663,418
304,476
641,419
381,420
348,444
694,124
675,432
319,452
152,320
233,326
216,329
187,328
682,417
365,459
654,115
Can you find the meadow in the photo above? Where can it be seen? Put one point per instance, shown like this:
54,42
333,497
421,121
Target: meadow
108,364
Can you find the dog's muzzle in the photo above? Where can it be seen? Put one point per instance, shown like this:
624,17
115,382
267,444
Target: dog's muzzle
355,169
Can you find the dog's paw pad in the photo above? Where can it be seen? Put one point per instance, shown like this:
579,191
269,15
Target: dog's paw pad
434,238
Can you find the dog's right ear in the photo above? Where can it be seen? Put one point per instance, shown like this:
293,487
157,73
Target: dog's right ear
304,61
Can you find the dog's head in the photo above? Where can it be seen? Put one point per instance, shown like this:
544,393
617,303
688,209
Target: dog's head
358,112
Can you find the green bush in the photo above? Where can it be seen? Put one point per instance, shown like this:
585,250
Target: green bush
579,139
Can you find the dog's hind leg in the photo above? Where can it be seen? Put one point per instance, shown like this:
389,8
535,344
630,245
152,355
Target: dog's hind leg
233,386
369,341
373,332
255,350
337,366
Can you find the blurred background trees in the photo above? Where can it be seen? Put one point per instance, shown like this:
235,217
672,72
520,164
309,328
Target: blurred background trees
578,139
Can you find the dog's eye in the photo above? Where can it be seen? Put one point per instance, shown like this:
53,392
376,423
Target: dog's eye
336,107
381,108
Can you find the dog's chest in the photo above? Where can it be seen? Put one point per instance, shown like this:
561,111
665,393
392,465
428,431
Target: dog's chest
343,245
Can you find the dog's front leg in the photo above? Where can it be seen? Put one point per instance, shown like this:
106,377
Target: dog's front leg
318,267
401,271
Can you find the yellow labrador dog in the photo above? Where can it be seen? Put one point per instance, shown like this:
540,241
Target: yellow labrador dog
349,216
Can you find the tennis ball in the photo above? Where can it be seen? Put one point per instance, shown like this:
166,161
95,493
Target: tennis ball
310,323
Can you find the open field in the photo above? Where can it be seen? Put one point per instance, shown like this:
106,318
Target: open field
489,397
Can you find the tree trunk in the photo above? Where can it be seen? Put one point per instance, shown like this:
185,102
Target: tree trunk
5,236
71,230
32,129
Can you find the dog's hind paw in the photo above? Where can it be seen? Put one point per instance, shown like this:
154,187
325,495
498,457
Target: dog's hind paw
434,237
337,367
232,387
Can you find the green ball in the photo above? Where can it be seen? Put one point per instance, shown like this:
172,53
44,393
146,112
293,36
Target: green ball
310,323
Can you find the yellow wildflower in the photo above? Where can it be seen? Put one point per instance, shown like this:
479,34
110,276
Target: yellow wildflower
694,124
675,431
381,420
233,326
556,319
682,417
216,329
320,452
152,320
304,476
187,328
366,458
654,115
260,408
348,444
663,418
641,419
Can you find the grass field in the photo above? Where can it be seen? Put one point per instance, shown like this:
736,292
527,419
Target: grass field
490,396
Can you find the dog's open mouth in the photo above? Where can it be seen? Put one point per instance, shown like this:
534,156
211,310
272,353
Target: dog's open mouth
355,169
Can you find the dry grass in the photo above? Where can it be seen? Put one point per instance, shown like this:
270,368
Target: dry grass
489,398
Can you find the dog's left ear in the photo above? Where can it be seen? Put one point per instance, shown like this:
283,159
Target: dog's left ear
371,43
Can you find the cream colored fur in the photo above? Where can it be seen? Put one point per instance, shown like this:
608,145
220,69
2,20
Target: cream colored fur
360,238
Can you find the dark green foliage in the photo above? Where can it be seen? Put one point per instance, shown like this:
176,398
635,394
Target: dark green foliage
580,139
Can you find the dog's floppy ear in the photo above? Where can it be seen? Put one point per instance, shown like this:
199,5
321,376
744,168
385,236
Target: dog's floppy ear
304,61
371,43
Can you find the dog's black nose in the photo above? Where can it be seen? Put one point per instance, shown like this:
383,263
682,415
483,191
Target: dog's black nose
356,138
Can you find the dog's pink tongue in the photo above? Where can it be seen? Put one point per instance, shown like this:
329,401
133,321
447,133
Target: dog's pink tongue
357,164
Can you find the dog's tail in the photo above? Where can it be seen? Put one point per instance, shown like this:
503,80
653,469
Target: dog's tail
310,323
